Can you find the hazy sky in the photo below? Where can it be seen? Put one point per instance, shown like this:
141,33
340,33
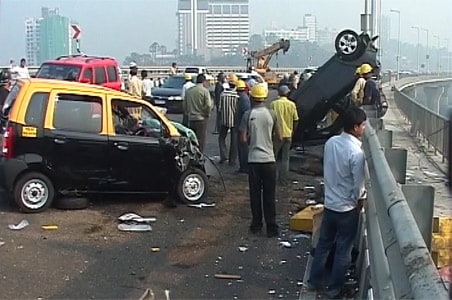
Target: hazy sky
118,27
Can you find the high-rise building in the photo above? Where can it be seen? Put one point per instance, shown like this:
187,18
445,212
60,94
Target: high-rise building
32,42
273,35
54,35
192,23
209,26
310,22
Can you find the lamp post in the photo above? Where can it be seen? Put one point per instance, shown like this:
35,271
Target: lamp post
448,56
427,56
418,47
438,62
398,43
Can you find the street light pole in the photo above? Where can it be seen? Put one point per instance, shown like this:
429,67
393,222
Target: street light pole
438,62
427,56
398,43
418,48
448,56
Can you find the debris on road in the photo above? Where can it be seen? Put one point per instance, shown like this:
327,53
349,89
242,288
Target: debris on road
228,276
271,292
202,205
243,248
285,244
147,295
49,227
20,226
300,235
155,249
2,243
167,294
136,218
135,227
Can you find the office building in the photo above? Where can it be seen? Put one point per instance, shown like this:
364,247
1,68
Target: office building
208,27
273,35
310,22
32,41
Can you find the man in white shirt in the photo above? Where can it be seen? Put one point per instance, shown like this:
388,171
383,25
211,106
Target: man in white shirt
21,71
343,169
148,84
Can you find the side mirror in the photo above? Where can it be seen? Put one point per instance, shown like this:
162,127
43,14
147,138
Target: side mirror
85,80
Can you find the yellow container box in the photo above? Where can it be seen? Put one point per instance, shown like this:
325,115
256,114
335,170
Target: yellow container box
303,220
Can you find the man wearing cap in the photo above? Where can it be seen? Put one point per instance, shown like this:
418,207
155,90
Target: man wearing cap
187,85
243,105
287,114
258,128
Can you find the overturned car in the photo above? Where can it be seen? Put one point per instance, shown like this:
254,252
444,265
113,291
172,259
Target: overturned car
327,88
70,139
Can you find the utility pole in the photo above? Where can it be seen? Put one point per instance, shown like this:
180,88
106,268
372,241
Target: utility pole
427,56
398,43
438,67
418,48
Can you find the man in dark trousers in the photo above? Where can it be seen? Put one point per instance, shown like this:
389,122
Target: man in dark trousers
343,169
258,128
243,104
198,105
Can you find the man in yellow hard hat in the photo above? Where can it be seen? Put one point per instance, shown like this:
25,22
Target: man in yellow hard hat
358,90
259,127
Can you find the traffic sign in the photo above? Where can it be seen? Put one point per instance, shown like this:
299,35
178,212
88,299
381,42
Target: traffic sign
77,31
244,51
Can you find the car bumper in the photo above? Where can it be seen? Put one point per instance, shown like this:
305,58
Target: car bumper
9,170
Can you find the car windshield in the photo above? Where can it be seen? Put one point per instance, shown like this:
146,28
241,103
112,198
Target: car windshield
174,83
9,101
192,70
59,71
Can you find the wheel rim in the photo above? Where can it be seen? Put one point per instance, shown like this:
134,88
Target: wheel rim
348,44
193,187
34,194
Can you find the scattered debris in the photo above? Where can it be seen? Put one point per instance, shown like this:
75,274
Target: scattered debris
243,248
49,227
167,294
240,268
20,226
311,202
300,235
271,292
295,182
155,249
285,244
2,243
309,187
202,205
147,295
136,218
135,227
282,262
228,276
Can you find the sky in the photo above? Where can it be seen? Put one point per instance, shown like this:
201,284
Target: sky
119,27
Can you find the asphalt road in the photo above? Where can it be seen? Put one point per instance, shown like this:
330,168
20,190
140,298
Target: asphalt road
87,257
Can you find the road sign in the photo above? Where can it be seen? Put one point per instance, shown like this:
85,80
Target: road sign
77,31
244,51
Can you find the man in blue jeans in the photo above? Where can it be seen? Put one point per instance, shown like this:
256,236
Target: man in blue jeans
343,169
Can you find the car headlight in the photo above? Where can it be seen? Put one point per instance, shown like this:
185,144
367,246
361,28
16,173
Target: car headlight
171,98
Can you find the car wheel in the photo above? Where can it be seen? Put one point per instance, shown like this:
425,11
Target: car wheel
192,186
71,203
349,45
33,192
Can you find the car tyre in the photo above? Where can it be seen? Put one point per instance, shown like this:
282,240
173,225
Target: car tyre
33,192
192,186
349,45
71,203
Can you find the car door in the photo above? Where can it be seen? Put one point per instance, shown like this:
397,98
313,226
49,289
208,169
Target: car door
138,163
76,142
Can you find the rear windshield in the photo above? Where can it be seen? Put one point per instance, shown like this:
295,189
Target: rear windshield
192,70
10,99
59,71
174,82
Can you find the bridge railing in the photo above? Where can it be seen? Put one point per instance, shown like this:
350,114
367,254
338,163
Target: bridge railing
394,260
433,127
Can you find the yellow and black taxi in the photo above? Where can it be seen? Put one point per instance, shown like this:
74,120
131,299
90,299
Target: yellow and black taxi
62,138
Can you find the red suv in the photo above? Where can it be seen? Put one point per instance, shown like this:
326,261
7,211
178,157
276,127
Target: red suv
102,71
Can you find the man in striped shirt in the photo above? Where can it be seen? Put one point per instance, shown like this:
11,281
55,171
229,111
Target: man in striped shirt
226,111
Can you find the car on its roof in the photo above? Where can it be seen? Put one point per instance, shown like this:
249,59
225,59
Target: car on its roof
69,139
100,70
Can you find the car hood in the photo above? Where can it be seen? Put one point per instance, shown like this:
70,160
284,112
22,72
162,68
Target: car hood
166,92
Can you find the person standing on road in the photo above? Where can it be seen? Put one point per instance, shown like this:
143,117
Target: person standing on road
21,71
287,114
173,69
371,99
197,106
258,128
227,108
243,105
187,85
147,86
135,84
343,169
219,88
358,90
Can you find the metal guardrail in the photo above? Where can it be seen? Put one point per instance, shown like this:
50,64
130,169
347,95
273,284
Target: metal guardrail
394,261
432,126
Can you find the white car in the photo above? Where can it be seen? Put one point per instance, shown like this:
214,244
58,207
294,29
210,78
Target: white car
196,70
253,75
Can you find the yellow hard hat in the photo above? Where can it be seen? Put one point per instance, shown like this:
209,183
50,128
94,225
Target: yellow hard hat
240,84
187,77
365,68
259,92
233,78
358,70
